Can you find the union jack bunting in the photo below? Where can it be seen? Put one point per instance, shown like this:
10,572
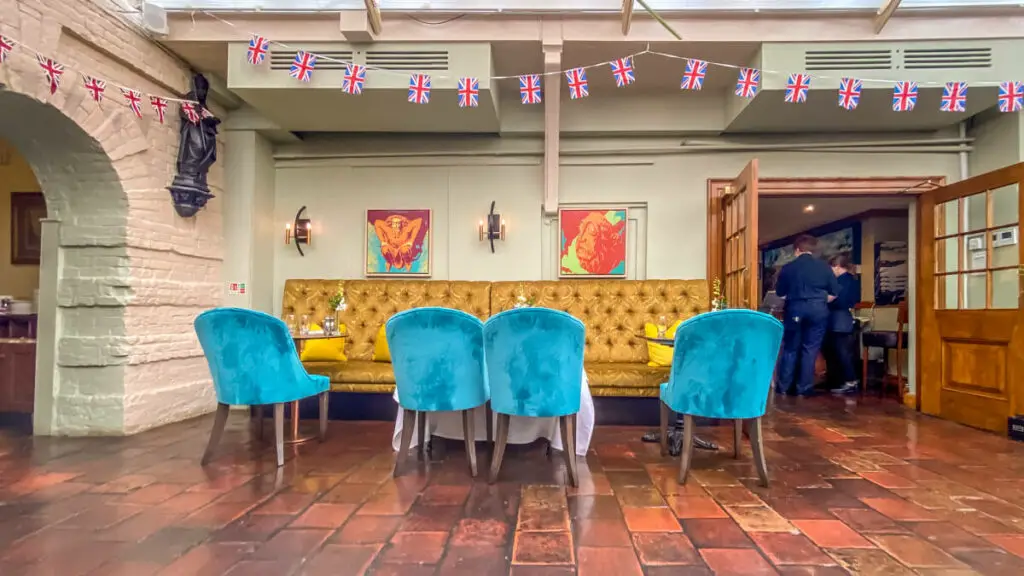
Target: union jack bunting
6,45
797,87
190,112
693,76
302,66
469,92
577,79
849,93
258,47
134,101
747,83
160,106
355,77
954,97
52,71
419,89
622,70
904,96
95,86
529,88
1011,96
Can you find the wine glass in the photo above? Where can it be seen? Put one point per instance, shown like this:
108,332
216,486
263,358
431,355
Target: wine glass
289,321
662,326
304,326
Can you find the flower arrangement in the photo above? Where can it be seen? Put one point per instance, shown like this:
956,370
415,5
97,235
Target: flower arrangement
337,302
521,300
718,301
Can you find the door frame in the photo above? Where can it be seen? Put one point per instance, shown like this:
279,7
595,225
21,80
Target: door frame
835,187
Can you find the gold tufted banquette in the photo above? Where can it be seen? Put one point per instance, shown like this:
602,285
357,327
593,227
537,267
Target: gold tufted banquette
614,312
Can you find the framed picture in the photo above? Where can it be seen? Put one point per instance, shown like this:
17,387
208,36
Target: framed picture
592,243
27,210
398,243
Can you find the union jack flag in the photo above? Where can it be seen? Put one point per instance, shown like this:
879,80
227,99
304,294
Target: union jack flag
419,89
1011,96
797,87
954,97
95,86
160,106
190,111
849,93
577,79
622,69
469,92
529,88
134,101
904,96
693,76
747,83
302,67
52,71
258,47
6,45
355,77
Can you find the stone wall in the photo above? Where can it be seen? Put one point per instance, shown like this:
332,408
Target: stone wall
131,274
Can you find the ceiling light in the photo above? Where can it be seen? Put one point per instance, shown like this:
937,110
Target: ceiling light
809,208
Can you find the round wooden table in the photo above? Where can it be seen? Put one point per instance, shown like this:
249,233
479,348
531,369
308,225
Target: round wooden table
300,343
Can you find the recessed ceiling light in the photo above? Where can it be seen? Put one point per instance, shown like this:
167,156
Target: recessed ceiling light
809,208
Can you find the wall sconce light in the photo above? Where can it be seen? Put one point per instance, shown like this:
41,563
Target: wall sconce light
301,230
493,228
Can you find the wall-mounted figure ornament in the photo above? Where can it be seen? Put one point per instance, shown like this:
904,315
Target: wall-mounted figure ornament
197,151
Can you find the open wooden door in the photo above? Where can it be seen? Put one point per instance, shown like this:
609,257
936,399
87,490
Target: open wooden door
738,233
970,319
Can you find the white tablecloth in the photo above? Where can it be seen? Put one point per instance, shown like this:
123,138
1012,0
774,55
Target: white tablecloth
521,430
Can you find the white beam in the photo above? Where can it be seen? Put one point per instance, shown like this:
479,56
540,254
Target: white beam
373,14
885,12
627,16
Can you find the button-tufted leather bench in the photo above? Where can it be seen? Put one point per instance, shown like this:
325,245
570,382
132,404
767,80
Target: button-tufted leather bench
614,312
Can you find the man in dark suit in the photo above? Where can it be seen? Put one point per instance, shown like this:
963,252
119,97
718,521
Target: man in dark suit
808,285
840,339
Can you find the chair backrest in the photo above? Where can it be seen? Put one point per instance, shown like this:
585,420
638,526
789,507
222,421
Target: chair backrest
438,358
723,363
534,362
251,355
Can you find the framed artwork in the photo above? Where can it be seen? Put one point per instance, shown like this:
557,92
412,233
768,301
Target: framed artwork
27,210
398,243
592,243
891,272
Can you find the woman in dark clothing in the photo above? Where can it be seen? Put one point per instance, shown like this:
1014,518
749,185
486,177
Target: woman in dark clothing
840,337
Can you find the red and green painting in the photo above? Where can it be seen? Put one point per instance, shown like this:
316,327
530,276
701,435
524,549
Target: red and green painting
593,243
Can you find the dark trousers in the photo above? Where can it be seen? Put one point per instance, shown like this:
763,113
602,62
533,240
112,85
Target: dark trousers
804,326
839,354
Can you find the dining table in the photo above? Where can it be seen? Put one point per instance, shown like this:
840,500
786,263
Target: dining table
301,338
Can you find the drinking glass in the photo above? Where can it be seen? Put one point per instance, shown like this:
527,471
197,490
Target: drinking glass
662,326
304,326
289,321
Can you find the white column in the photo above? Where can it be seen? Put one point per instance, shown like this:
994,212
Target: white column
47,328
552,105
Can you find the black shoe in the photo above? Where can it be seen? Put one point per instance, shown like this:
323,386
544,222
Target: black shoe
848,388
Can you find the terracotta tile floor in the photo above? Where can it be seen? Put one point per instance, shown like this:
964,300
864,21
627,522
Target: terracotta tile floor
858,487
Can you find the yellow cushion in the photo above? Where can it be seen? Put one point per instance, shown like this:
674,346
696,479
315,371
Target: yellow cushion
329,350
659,354
381,352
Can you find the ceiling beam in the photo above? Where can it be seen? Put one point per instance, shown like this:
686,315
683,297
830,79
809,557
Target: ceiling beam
627,16
373,15
885,12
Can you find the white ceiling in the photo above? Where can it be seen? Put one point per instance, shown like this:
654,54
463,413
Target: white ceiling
783,217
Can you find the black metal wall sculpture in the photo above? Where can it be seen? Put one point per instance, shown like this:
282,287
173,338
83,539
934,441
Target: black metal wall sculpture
197,151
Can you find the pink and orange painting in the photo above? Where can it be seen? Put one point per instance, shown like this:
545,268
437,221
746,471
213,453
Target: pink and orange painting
593,243
398,243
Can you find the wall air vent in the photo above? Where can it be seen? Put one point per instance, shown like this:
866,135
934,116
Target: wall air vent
880,59
407,60
951,58
282,59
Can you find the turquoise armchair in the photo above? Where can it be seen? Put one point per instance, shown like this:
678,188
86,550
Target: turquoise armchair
722,367
534,360
438,358
253,362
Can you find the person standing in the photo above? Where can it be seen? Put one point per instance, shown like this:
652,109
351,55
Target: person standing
808,285
840,338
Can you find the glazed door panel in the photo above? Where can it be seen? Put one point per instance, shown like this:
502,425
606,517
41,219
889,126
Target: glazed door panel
971,327
740,278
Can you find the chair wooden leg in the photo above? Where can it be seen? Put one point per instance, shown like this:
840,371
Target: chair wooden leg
666,413
469,433
219,421
864,370
687,448
408,423
500,440
324,400
421,435
567,424
489,416
737,438
757,445
279,433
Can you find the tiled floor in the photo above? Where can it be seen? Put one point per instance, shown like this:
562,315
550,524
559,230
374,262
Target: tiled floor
857,487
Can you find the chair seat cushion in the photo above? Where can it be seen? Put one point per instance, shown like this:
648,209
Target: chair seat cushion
879,339
618,375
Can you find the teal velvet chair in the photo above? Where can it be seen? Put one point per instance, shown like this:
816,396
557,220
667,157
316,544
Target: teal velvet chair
253,362
535,368
722,367
438,358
